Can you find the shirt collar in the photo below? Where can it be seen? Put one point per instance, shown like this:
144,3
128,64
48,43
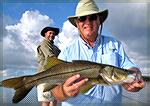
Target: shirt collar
96,43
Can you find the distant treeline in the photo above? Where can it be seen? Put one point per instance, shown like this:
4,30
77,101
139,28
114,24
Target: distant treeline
146,78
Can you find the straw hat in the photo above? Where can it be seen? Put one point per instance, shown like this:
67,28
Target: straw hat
88,7
44,30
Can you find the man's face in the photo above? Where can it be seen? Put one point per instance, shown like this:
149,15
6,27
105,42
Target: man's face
88,26
50,35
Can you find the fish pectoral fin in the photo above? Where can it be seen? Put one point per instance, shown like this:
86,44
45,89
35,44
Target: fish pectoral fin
88,85
48,87
85,88
52,61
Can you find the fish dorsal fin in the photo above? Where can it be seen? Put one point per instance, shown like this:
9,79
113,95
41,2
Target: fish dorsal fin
84,61
52,61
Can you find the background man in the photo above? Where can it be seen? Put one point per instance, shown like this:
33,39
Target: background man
44,50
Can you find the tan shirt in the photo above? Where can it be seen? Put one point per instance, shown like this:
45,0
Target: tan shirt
44,50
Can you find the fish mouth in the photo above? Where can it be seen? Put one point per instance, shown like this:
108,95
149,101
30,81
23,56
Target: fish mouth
130,78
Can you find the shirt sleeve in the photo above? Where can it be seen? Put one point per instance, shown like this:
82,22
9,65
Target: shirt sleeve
125,62
43,53
47,51
63,55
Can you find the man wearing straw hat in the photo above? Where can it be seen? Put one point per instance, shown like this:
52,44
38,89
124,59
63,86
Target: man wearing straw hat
93,46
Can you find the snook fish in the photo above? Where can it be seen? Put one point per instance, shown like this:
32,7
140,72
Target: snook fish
57,71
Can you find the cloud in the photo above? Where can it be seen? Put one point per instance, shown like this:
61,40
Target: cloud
21,40
68,34
27,31
142,61
126,18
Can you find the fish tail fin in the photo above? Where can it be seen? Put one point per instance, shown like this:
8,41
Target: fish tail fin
18,84
21,93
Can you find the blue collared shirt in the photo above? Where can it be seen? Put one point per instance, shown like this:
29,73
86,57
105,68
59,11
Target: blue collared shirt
106,50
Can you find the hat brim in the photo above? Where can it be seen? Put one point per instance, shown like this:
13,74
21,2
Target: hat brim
56,30
102,14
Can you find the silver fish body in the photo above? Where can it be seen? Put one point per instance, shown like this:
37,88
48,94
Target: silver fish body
57,71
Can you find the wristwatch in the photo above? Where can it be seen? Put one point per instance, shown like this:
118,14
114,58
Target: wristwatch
48,95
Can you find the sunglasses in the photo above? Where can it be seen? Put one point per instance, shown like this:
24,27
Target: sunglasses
91,18
52,33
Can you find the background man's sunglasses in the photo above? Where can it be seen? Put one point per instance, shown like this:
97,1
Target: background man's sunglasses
91,18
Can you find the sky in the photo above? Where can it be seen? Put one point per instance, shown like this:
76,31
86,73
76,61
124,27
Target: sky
22,22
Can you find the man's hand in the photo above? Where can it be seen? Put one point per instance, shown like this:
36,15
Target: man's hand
137,84
69,89
72,86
